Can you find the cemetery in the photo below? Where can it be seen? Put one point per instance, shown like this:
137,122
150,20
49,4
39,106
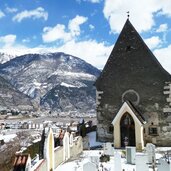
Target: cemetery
74,154
150,159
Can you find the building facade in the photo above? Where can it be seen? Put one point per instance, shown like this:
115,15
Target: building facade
133,95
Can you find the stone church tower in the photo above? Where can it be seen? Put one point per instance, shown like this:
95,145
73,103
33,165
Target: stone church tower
133,95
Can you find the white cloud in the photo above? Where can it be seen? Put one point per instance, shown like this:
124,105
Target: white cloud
153,42
162,28
164,57
90,51
51,34
35,14
141,14
2,14
11,10
60,32
74,25
8,40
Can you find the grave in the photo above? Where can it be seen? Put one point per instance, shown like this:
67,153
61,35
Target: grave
108,149
71,139
86,143
117,161
94,159
130,155
89,166
142,162
66,146
164,165
150,150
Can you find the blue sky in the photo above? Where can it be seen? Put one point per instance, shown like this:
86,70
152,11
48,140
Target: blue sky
84,28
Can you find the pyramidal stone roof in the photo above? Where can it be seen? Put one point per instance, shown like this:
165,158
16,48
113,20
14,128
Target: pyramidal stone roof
132,73
131,58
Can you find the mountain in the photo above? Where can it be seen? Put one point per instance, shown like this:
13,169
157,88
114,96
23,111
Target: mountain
57,81
12,99
5,57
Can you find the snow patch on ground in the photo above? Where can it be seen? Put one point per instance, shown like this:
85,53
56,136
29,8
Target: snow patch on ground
7,138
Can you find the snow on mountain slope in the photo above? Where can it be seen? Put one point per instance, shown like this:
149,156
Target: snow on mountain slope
37,75
5,57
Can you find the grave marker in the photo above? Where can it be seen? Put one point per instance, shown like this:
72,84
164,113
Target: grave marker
117,161
108,149
66,146
130,155
89,166
150,150
141,162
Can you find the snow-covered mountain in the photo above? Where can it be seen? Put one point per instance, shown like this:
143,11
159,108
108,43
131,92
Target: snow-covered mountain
5,57
12,99
57,80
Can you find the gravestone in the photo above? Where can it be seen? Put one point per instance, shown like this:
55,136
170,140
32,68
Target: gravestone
66,146
86,143
108,149
130,155
164,165
94,159
71,139
150,150
117,161
89,166
141,162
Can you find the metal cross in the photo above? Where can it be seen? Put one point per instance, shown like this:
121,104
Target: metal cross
127,14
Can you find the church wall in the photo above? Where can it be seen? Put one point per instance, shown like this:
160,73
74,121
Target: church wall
155,108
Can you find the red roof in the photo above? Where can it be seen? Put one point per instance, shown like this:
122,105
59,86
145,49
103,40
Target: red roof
20,162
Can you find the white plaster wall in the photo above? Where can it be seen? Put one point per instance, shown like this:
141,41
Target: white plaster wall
41,167
76,149
58,154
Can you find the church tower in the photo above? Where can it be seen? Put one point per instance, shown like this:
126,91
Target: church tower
133,94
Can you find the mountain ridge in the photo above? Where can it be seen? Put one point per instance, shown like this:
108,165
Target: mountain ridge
37,74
